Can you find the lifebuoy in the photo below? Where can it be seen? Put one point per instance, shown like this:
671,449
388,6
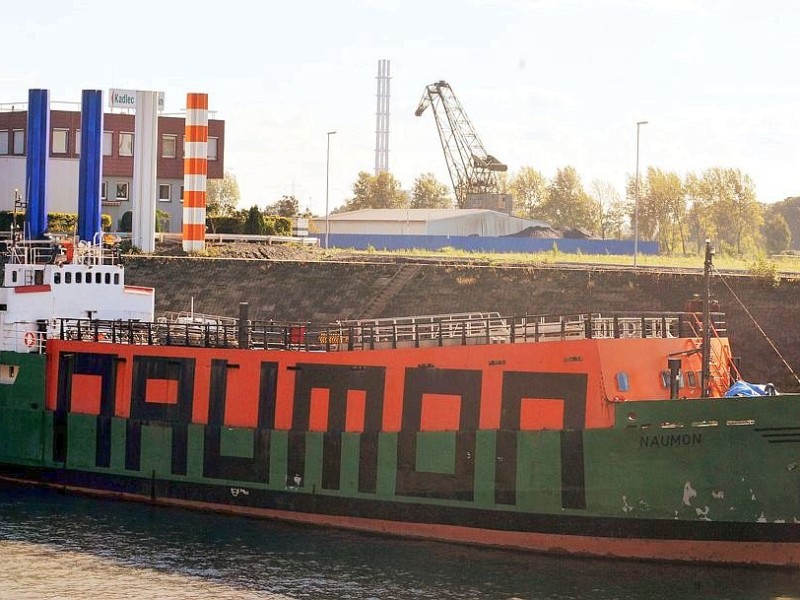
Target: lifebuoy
30,339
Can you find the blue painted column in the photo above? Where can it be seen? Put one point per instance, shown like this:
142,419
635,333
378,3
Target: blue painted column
37,154
91,165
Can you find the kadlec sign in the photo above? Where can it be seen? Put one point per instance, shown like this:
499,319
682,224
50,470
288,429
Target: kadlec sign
127,99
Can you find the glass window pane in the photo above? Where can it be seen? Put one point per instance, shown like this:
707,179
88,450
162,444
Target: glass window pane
108,143
4,142
212,148
126,144
169,144
60,139
19,141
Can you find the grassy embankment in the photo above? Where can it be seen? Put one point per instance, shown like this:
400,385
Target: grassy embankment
759,266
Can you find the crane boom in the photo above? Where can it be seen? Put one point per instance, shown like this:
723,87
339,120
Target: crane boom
472,169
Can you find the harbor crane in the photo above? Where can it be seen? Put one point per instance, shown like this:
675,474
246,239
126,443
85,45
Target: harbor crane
473,171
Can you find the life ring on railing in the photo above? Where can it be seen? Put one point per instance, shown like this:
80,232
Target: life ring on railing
30,339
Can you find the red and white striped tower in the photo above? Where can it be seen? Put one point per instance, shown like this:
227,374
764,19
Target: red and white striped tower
195,171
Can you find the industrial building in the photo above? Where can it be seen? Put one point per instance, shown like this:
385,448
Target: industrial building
117,173
427,221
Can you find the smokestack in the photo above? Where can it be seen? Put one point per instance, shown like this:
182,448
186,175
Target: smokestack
195,172
382,118
38,152
91,164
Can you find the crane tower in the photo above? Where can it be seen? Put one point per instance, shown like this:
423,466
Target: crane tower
473,171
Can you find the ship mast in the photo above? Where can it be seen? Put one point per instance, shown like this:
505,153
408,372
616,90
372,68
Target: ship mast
705,378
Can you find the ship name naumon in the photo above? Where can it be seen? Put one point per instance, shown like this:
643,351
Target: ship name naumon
670,440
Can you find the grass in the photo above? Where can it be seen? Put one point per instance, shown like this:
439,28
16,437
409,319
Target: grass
788,264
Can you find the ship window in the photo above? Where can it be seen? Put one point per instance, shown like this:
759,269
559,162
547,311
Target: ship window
98,278
88,278
38,277
57,278
116,278
691,378
108,278
623,384
78,277
13,277
665,379
67,277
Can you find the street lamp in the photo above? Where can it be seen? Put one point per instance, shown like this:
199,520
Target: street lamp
327,187
636,200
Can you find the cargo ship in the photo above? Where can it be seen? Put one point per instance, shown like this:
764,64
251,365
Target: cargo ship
591,434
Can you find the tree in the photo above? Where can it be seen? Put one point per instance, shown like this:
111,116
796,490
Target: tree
222,196
429,192
529,191
287,206
376,191
567,204
254,223
662,202
777,235
609,210
725,206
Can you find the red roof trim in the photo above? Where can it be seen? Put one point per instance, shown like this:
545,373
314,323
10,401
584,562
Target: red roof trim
31,289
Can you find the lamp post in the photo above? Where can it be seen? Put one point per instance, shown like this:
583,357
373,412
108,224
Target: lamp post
636,200
327,187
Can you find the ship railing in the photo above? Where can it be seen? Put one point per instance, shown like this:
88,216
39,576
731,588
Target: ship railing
159,333
60,249
412,332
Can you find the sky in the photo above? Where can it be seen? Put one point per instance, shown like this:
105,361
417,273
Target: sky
546,83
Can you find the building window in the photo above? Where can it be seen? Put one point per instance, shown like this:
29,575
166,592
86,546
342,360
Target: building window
122,191
4,142
181,193
103,195
78,141
126,144
164,192
60,141
212,148
19,141
108,143
169,145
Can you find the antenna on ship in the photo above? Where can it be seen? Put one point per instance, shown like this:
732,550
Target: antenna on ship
19,206
705,377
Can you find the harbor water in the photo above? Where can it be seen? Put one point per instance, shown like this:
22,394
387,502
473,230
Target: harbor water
57,546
